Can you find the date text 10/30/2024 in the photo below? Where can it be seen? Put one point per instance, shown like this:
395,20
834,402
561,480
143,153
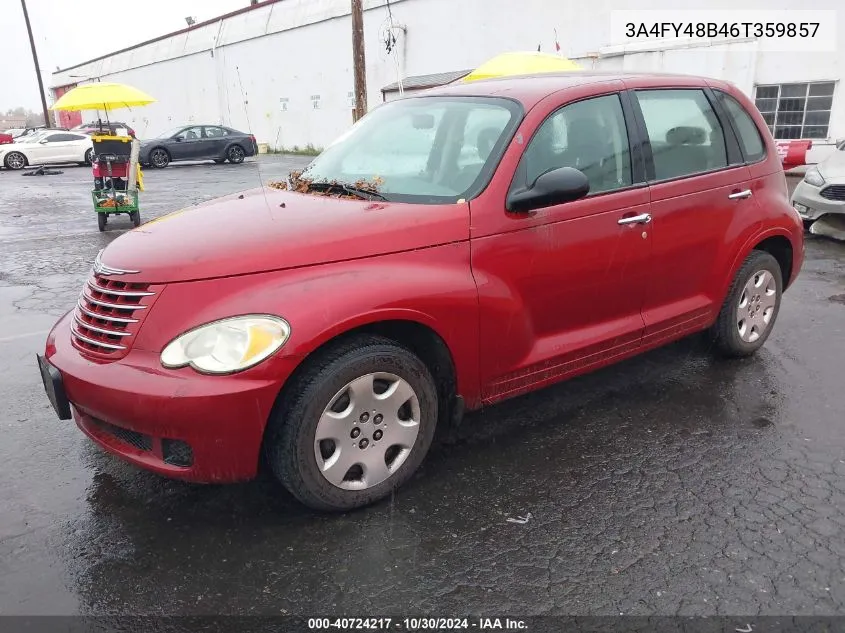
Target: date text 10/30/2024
417,624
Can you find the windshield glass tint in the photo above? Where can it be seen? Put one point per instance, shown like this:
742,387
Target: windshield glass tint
427,149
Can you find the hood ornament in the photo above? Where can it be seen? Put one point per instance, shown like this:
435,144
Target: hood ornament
101,269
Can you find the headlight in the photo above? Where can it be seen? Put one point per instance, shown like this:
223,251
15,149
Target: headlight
813,177
227,346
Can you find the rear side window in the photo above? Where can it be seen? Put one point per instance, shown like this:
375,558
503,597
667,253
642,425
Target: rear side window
685,135
749,136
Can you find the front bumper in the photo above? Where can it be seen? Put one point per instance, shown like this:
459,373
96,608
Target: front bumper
814,206
177,423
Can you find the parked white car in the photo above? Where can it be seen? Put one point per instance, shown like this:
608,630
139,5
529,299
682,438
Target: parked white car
48,149
822,191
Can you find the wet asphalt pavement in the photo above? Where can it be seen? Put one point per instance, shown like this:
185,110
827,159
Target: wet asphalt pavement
673,483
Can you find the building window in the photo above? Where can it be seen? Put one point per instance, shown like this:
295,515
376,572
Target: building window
796,110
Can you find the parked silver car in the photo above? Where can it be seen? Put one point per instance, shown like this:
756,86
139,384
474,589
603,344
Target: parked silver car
822,191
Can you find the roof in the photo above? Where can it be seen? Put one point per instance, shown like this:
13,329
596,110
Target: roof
427,81
530,89
251,7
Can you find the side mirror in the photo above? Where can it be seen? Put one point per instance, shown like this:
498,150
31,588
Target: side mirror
554,187
43,141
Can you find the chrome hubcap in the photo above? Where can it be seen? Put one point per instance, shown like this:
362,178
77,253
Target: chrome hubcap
15,161
756,306
367,431
235,154
159,158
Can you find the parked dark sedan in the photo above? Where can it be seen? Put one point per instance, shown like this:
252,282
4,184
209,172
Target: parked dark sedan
198,142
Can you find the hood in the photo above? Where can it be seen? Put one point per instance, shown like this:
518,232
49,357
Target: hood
266,229
834,167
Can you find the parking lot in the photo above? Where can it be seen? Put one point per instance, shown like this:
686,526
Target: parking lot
674,483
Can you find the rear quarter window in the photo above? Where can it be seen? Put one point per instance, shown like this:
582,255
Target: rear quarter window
750,140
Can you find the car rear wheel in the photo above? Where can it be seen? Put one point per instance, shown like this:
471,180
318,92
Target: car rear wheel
235,154
751,307
89,156
353,425
159,158
15,160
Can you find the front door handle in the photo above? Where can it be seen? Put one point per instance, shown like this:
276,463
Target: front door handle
737,195
643,218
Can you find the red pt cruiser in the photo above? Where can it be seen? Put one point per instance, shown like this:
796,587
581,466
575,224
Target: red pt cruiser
449,251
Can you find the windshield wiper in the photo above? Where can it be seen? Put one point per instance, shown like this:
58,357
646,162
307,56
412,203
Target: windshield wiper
366,194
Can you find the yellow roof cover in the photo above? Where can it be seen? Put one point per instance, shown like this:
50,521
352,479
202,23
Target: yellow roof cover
530,63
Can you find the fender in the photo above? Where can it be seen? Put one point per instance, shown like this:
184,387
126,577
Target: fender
433,287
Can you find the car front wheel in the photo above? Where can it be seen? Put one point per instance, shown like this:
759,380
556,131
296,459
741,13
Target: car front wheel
751,307
15,160
354,425
159,158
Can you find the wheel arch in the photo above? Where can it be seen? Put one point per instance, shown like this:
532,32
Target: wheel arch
414,334
27,161
779,247
161,147
777,242
232,144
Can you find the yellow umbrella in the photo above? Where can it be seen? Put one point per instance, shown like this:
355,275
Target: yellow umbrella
101,96
529,63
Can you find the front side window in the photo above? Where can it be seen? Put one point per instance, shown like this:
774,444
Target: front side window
424,149
749,136
589,135
684,133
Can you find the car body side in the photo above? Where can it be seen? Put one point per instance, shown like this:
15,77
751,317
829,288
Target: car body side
218,152
464,291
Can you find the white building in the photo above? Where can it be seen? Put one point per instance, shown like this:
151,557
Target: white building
282,69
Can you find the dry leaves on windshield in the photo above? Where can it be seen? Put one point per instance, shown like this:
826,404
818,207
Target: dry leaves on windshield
332,188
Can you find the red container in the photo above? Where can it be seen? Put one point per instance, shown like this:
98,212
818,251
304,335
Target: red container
118,170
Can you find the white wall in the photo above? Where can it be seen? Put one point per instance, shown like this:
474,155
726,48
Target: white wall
236,71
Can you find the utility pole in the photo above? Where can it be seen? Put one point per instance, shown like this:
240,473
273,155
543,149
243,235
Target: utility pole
37,67
359,60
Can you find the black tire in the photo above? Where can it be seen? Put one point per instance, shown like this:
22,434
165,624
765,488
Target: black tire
89,156
159,158
289,441
219,161
235,154
135,216
15,160
725,332
808,224
102,220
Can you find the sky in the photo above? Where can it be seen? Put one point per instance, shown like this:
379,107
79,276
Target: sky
68,32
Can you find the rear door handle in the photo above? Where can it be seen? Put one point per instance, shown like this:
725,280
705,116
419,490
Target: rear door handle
643,218
745,193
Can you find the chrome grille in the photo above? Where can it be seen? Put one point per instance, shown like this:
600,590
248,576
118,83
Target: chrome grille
108,315
833,192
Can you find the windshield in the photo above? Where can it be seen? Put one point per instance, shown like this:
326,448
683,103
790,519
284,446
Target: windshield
425,149
171,132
